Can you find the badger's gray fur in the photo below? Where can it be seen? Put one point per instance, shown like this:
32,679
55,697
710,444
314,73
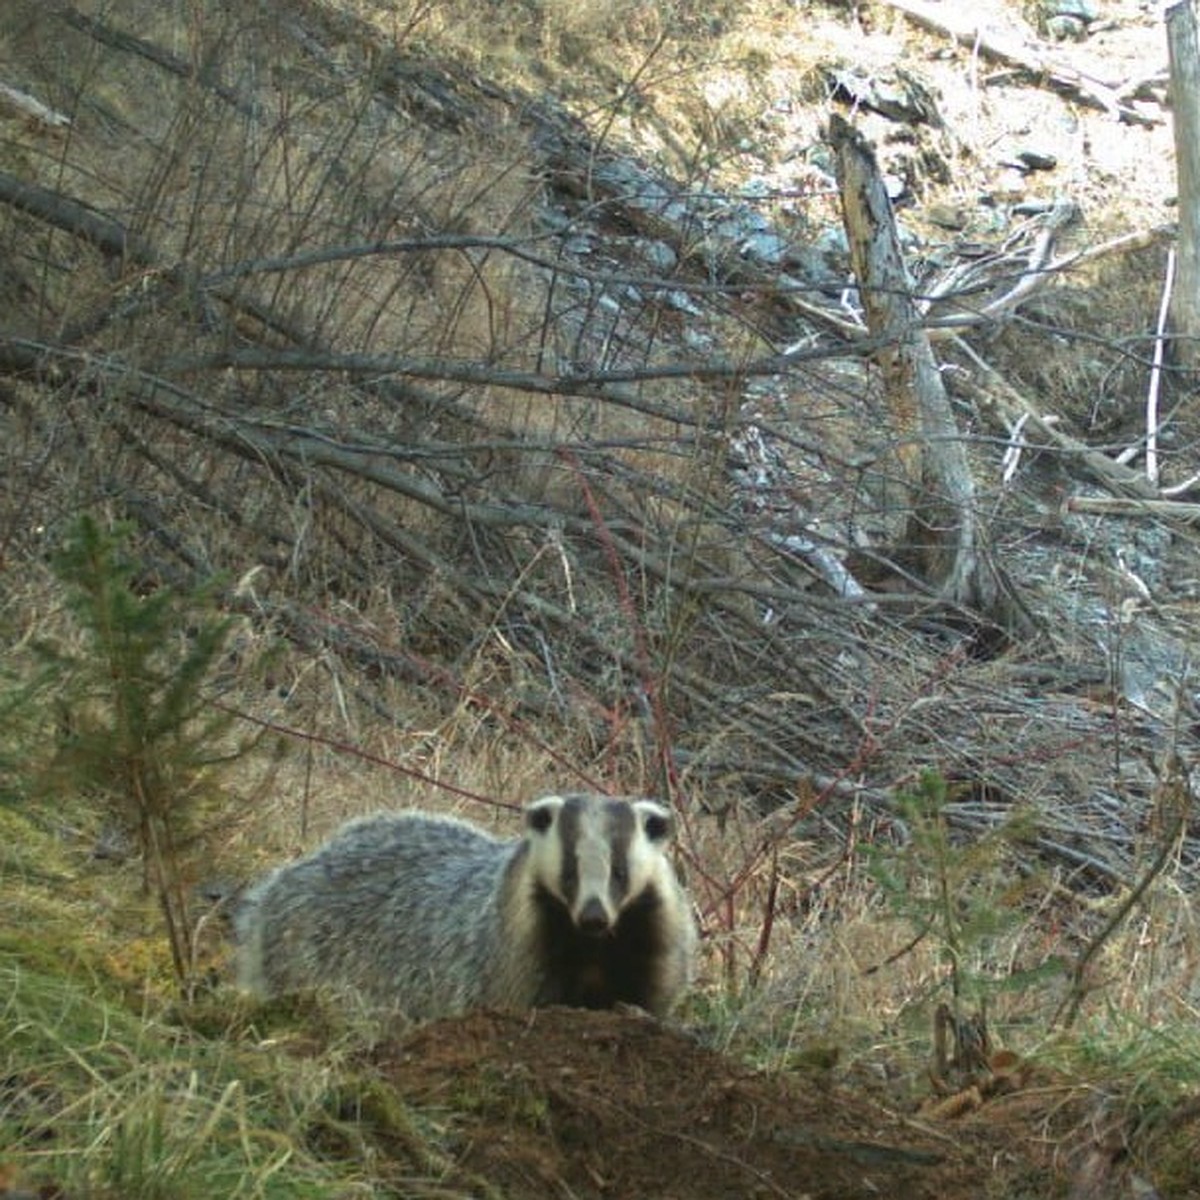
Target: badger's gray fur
434,916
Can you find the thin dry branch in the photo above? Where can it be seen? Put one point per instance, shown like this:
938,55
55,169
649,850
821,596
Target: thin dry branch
107,235
993,393
33,110
960,23
117,39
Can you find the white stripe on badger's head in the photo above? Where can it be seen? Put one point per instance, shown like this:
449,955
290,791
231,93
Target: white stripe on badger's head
597,855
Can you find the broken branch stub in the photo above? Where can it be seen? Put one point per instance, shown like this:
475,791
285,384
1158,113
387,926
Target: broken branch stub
927,454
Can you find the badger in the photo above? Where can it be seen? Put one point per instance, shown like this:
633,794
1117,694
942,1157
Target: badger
434,916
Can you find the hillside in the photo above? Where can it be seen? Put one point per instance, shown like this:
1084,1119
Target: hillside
498,374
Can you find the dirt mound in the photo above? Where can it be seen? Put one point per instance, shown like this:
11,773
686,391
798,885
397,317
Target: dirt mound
612,1105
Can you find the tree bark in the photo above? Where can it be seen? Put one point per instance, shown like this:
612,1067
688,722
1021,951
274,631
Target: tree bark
1184,55
932,461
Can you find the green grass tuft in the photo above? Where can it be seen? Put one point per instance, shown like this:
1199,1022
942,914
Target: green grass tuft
99,1101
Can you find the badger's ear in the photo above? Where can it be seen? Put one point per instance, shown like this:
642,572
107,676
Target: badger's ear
540,814
657,821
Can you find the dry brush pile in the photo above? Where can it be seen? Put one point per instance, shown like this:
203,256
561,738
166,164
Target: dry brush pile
326,314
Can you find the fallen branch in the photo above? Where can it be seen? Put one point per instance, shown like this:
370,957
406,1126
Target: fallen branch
108,236
1012,408
114,240
1139,239
958,22
1173,510
1036,272
116,39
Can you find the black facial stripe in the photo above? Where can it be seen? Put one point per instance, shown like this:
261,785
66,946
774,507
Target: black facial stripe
568,840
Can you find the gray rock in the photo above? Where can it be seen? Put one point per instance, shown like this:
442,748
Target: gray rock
1065,28
832,245
767,248
1036,160
659,255
1081,10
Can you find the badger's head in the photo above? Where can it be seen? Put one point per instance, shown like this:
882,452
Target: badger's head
597,856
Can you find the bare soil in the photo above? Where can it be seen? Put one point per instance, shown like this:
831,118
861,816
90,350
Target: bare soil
616,1105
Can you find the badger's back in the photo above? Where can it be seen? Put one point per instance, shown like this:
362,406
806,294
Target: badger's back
399,908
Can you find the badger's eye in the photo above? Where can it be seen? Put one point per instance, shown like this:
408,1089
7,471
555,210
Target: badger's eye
540,819
657,827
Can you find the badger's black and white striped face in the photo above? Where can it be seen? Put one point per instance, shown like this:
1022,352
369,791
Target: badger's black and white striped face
597,855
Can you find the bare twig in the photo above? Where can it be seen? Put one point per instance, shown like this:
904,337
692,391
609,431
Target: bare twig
997,394
33,110
1171,510
1175,792
962,25
1156,372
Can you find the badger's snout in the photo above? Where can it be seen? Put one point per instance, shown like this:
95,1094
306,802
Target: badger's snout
593,919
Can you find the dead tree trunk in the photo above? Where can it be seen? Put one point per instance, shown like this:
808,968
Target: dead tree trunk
929,457
1184,56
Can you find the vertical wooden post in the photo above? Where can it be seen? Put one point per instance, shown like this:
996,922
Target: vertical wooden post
1184,57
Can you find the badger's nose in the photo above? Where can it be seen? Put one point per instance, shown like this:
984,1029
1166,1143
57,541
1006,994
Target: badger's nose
593,920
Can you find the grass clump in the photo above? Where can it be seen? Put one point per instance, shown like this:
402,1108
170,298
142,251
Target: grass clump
100,1102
